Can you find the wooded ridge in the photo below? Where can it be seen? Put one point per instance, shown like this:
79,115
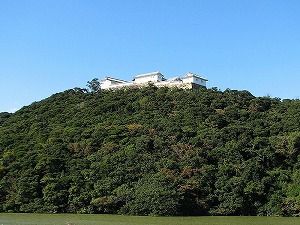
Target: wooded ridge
152,151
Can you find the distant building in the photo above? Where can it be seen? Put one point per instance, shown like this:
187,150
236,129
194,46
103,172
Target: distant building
189,81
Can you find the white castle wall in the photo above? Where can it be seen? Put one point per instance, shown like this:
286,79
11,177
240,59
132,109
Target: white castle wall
188,82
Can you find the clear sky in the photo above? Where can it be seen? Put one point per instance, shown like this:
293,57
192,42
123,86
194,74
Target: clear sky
51,45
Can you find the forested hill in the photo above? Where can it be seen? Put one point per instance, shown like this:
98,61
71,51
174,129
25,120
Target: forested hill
4,116
152,152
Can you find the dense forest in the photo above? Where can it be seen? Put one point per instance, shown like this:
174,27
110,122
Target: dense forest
152,151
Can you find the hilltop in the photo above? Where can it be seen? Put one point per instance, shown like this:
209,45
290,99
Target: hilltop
152,151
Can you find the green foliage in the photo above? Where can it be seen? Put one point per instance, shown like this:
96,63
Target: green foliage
152,151
3,117
153,194
93,85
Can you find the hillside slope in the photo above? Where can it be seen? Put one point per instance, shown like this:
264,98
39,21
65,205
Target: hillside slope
152,151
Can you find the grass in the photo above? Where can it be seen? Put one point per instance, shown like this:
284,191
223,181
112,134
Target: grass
64,219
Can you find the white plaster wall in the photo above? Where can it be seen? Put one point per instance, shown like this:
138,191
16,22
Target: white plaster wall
188,80
153,78
199,81
194,80
106,84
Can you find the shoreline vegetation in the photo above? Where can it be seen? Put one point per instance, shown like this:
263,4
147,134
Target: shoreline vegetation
152,151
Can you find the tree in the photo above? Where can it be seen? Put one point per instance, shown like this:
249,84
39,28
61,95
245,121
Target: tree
94,85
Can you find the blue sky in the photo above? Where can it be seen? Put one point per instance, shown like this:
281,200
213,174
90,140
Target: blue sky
52,45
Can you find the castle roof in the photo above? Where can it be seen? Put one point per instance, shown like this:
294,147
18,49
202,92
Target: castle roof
189,74
116,80
148,74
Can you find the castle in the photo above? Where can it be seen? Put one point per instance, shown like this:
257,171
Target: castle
189,81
